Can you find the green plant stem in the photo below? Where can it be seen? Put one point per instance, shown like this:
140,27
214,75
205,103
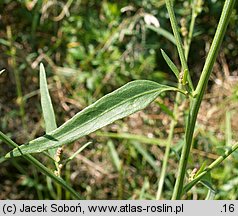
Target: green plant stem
167,150
41,167
35,20
199,92
191,29
67,179
120,183
212,166
220,32
36,183
59,191
77,152
50,188
175,29
175,110
13,64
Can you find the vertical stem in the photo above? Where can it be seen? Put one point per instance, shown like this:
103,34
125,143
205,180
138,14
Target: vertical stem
175,110
167,150
199,92
175,29
67,179
120,182
50,188
191,29
35,21
13,64
59,191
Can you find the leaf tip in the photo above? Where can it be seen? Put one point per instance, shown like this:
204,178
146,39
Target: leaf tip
7,156
42,68
2,71
16,152
41,65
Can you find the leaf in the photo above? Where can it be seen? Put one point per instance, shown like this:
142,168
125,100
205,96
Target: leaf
46,105
207,182
148,157
201,169
163,33
165,109
128,99
145,187
136,137
171,65
210,195
114,155
77,152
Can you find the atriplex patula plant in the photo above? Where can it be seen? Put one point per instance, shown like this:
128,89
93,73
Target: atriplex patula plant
124,101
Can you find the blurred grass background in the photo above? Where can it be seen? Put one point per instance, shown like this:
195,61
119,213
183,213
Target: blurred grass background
90,48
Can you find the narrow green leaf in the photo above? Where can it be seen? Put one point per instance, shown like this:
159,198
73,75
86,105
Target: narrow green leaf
147,156
207,182
77,152
145,187
201,169
46,104
171,65
163,33
210,195
124,101
136,137
165,109
114,155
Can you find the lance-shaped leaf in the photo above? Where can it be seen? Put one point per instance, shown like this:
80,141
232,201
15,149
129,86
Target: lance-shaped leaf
46,105
122,102
171,65
163,33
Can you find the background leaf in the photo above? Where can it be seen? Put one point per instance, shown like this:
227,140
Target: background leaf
114,155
